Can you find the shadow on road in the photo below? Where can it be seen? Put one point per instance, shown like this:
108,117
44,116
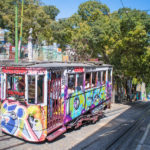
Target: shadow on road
113,130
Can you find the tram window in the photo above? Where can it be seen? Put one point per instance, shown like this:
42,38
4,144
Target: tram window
15,86
71,83
0,85
104,77
10,82
99,77
109,75
94,79
87,80
79,81
40,89
31,89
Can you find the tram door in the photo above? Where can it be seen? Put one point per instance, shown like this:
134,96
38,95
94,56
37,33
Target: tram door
55,116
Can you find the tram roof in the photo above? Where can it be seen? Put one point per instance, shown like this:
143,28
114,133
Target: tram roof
47,65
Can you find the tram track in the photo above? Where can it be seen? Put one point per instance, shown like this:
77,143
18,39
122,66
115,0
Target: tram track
123,128
3,135
10,142
124,138
5,139
13,146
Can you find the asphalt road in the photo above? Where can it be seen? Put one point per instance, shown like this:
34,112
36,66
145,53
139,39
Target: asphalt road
124,127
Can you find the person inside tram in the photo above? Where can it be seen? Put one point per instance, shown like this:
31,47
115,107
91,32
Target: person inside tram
87,82
93,79
71,84
21,84
79,82
70,89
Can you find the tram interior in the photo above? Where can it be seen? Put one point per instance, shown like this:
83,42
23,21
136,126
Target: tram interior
16,87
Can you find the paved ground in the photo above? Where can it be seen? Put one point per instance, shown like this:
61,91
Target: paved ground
128,131
107,133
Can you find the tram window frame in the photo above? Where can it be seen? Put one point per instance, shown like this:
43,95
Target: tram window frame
2,80
109,76
100,77
35,100
31,100
94,83
71,86
17,86
104,77
79,83
0,85
41,89
88,82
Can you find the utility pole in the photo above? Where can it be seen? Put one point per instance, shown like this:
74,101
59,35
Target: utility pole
16,32
21,26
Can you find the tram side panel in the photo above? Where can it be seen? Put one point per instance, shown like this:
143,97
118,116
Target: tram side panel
82,101
79,102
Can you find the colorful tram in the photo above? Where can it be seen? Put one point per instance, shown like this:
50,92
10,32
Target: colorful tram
42,100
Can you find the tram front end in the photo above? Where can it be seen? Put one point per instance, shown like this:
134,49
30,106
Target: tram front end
23,111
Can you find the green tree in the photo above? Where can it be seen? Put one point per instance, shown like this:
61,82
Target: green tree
90,10
93,33
34,17
52,11
130,54
61,32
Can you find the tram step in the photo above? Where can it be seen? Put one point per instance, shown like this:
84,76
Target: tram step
56,134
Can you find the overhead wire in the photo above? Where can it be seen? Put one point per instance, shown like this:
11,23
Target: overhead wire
125,11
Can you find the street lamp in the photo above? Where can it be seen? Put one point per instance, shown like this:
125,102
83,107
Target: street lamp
20,41
16,32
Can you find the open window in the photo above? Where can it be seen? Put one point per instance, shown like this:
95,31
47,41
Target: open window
104,77
99,77
109,75
94,78
71,83
88,80
15,87
31,89
80,81
2,86
40,89
35,89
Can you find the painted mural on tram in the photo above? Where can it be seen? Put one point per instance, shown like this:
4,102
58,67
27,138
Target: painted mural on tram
41,101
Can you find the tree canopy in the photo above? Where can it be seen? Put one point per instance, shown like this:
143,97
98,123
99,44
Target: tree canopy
36,16
122,37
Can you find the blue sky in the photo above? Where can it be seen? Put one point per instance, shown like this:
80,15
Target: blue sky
69,7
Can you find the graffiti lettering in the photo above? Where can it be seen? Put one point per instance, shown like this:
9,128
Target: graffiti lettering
78,70
15,93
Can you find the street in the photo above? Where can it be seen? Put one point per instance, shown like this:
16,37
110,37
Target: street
124,127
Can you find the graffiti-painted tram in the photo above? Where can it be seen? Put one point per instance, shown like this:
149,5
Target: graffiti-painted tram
42,100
